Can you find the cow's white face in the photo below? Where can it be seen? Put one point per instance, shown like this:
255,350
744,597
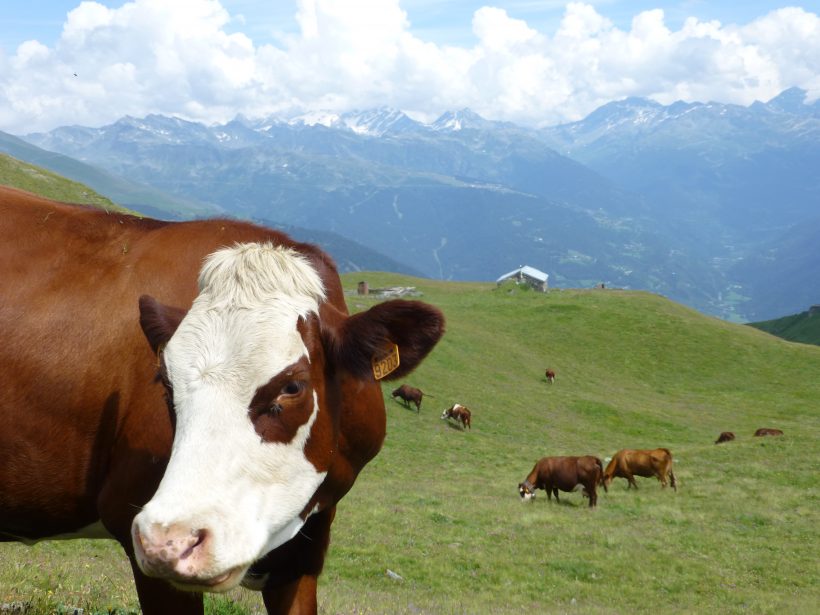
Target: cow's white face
239,371
526,492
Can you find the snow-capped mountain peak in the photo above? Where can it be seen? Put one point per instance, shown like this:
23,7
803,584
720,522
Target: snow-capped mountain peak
378,122
328,119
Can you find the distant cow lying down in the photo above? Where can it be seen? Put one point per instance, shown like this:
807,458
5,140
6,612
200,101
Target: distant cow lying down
460,413
566,474
408,394
765,431
628,463
725,436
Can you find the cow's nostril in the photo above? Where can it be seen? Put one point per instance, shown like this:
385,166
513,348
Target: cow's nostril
198,538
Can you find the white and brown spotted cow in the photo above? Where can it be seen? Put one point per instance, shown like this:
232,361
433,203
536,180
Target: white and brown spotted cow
460,414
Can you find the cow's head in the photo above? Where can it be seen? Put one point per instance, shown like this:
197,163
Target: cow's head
526,491
252,371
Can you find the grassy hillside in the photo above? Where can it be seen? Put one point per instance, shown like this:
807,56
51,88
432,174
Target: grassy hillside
19,174
803,327
440,508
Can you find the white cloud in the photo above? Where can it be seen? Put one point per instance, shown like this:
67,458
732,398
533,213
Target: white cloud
498,32
180,58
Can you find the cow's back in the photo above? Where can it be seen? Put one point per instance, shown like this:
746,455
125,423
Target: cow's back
71,357
560,472
590,468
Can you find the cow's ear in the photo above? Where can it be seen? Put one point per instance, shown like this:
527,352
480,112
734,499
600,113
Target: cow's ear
158,321
414,327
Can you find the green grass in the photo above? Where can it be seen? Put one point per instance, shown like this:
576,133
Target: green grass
24,176
439,506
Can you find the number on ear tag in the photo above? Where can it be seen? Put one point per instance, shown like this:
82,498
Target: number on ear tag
386,363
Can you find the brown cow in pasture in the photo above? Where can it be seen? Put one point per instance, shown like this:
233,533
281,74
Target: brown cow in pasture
725,436
628,463
550,376
566,474
766,431
195,390
460,413
409,394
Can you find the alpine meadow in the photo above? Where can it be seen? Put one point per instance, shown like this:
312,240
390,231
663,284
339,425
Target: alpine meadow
435,524
409,307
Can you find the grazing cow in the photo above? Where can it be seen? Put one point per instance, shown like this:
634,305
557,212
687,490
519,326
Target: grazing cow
550,376
725,436
765,431
628,463
205,375
408,394
460,413
566,474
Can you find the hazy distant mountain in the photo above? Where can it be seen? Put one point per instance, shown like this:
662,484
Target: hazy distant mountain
782,272
736,182
462,201
349,255
674,199
127,193
750,168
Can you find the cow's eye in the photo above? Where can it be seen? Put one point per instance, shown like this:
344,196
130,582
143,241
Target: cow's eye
293,388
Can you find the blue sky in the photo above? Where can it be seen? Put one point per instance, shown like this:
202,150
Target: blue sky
443,22
532,62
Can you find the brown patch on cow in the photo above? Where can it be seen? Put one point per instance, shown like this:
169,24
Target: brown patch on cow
282,405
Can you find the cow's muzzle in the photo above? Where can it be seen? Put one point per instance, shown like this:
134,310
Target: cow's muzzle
183,557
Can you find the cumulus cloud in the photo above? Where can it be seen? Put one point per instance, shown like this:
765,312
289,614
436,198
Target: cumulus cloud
186,58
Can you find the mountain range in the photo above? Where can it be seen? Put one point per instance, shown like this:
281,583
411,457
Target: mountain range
713,205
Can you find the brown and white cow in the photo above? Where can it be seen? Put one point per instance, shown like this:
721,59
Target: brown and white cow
461,414
767,431
233,430
566,474
628,463
409,394
725,436
550,376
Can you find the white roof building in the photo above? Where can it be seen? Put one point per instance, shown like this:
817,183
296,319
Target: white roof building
526,274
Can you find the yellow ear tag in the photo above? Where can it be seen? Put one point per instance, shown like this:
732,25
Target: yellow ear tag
386,363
